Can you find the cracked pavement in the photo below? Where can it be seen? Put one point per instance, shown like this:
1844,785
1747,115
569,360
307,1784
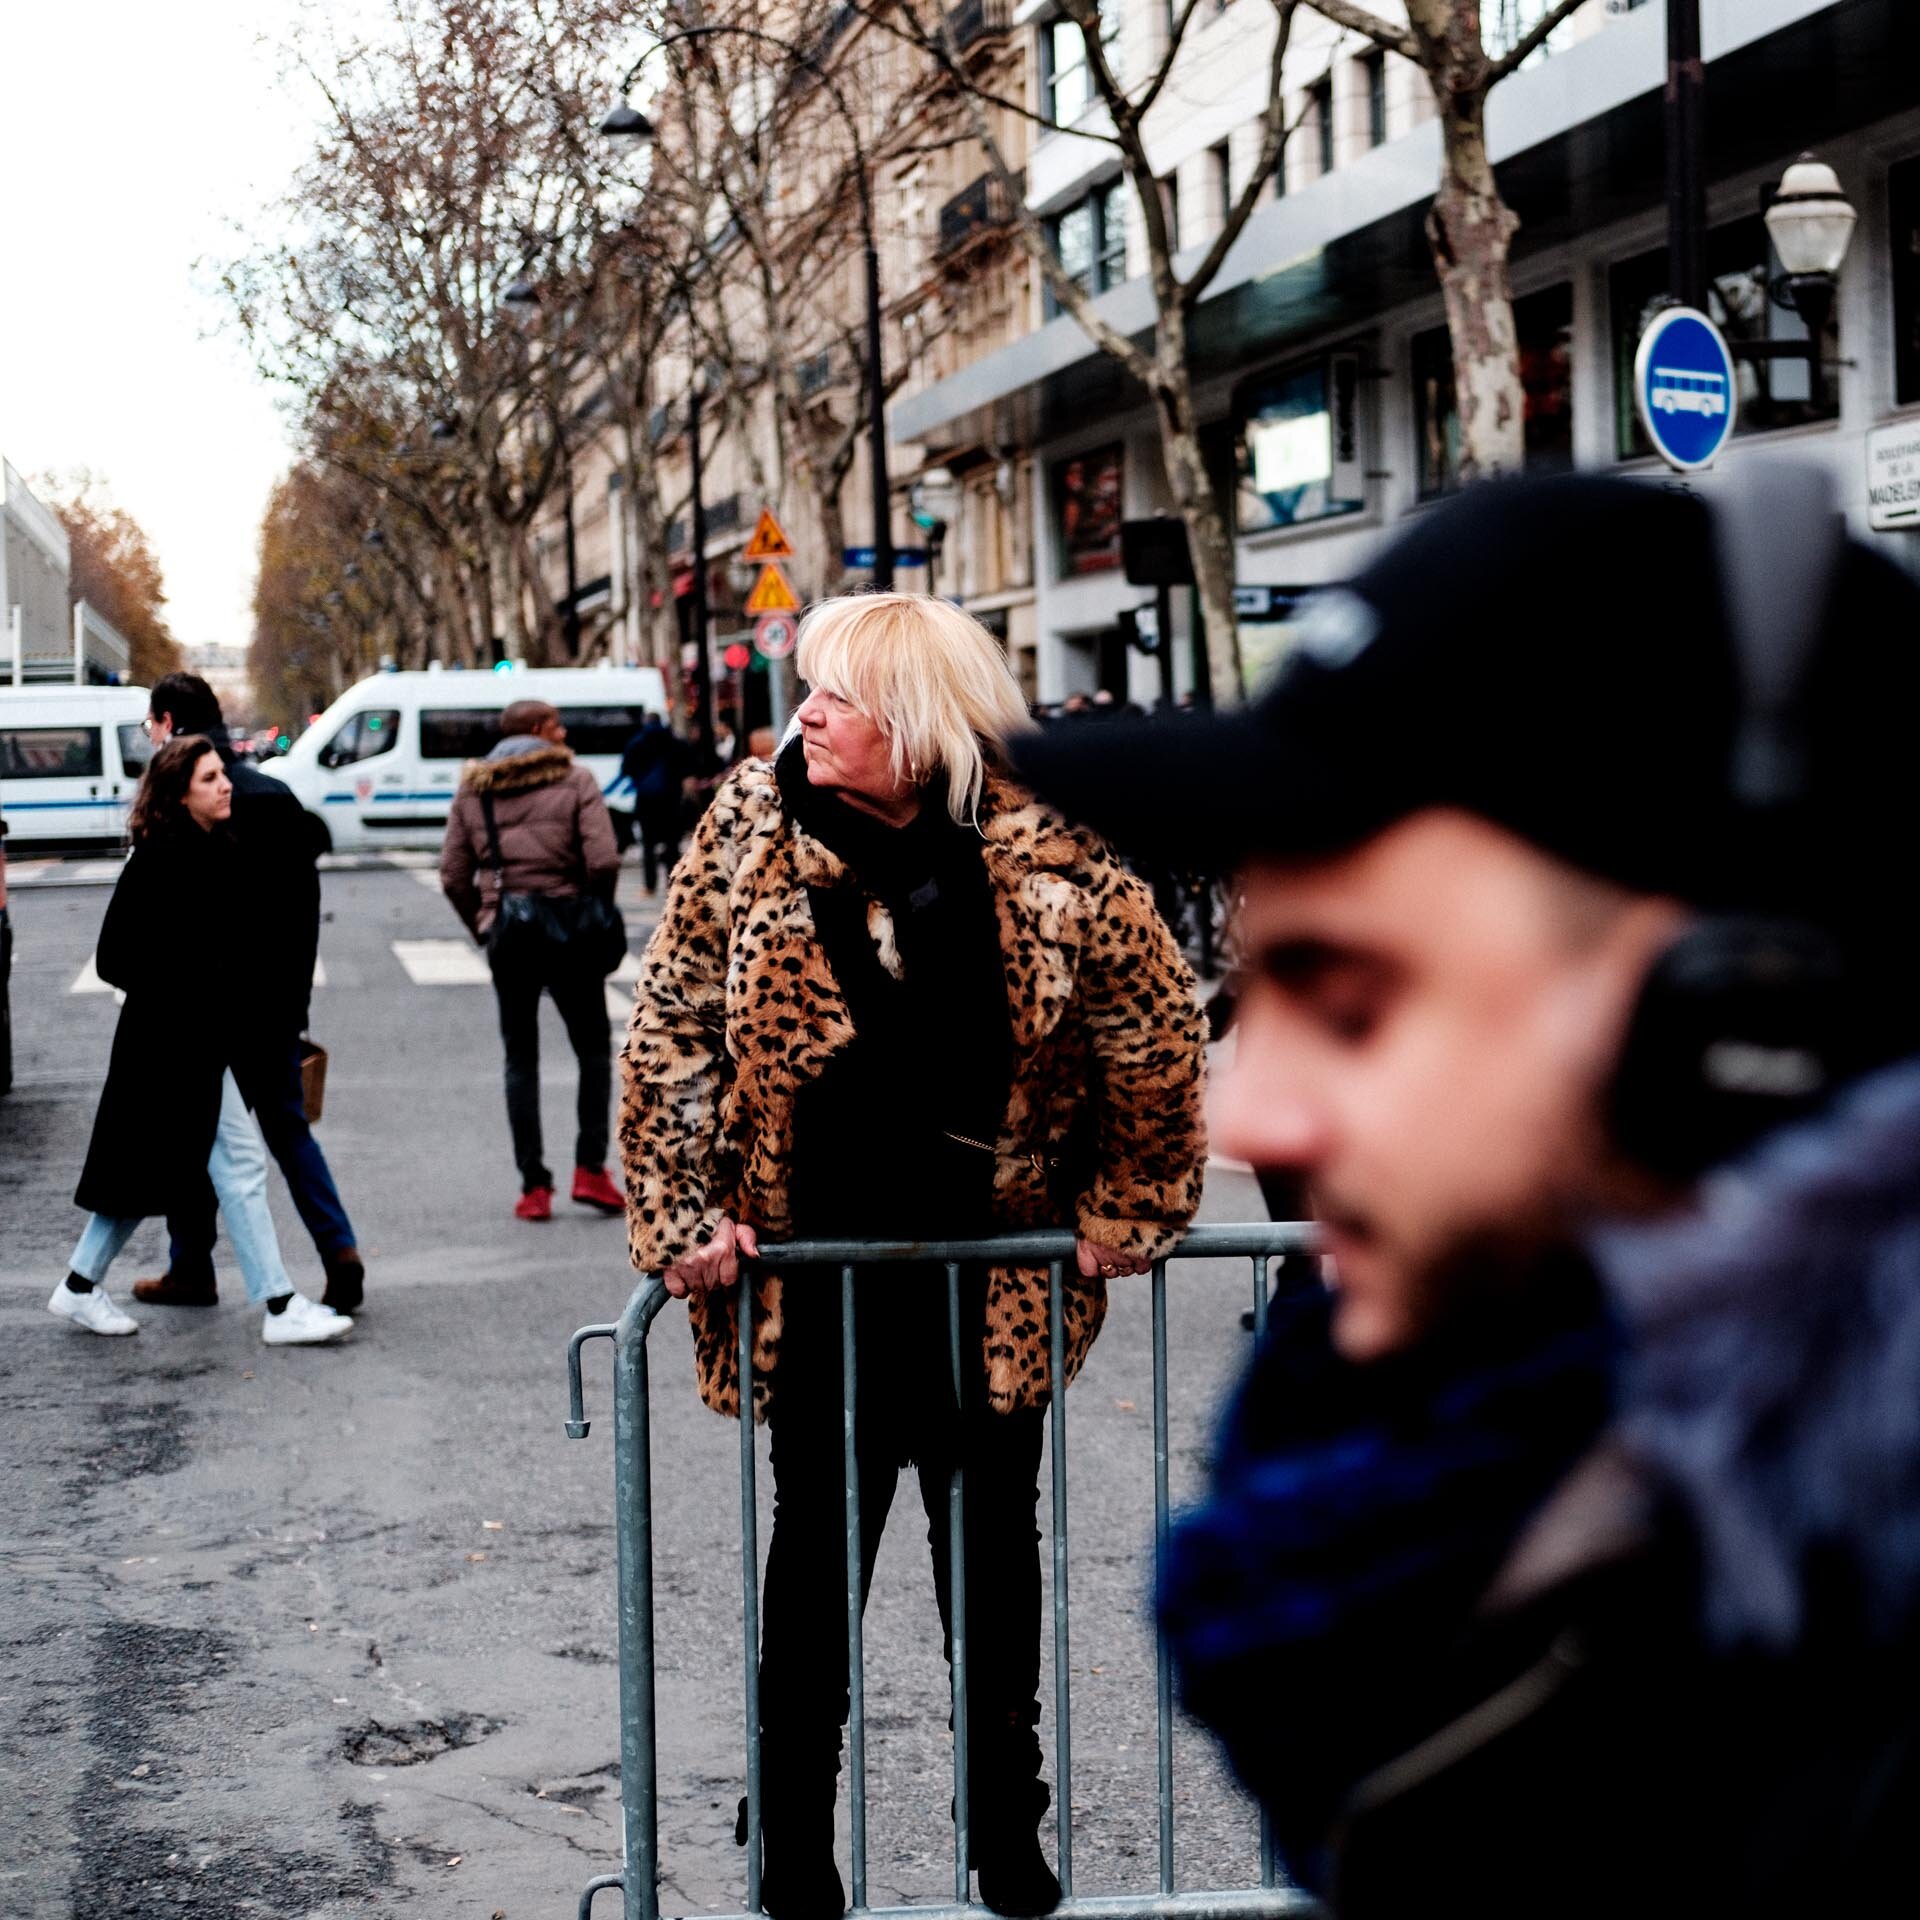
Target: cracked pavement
331,1631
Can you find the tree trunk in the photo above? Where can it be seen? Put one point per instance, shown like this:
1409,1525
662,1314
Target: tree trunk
1198,502
1471,229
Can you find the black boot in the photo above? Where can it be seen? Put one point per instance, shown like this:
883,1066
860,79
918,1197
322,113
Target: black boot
799,1879
1014,1876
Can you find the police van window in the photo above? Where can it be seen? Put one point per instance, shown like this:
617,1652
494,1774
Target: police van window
1741,267
364,736
458,733
50,753
135,748
601,730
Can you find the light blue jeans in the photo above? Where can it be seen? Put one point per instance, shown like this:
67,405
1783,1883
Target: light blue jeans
238,1170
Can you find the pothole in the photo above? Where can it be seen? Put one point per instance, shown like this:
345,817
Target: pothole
412,1745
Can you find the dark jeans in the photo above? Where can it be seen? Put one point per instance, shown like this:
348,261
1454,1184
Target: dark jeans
271,1081
803,1646
580,994
656,825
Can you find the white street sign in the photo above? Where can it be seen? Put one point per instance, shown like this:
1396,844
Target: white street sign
1893,477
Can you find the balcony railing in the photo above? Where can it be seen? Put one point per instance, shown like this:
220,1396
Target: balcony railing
974,20
980,208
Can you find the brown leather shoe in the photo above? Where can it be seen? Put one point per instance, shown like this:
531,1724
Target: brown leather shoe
170,1291
346,1281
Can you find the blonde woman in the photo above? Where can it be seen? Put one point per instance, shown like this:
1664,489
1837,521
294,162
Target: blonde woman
892,996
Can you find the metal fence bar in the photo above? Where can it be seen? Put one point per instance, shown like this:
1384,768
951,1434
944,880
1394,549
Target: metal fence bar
1162,1526
633,1497
750,1586
1062,1654
1267,1871
957,1600
856,1659
639,1880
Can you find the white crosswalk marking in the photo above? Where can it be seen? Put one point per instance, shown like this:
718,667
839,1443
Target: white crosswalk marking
443,963
428,877
88,980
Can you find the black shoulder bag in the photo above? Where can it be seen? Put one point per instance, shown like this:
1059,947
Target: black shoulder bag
542,929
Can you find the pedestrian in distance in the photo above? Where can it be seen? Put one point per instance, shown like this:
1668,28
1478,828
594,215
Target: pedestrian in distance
530,865
1565,1560
277,848
892,997
172,1114
655,763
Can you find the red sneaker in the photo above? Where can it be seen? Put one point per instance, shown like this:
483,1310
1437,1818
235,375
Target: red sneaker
535,1204
592,1188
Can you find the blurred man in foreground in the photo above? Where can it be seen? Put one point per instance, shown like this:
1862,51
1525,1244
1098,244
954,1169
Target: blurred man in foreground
1565,1558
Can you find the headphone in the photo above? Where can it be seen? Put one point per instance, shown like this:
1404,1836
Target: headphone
1746,1020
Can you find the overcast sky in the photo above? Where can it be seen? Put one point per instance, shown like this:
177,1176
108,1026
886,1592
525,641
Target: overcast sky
131,136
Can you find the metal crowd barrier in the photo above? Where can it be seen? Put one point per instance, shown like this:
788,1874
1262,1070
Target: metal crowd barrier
639,1876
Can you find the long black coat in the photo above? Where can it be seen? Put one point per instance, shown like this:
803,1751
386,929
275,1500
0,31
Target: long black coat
277,849
192,1009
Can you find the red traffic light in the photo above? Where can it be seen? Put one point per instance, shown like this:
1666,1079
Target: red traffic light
737,655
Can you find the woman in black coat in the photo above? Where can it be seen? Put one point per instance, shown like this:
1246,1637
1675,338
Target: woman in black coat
172,1114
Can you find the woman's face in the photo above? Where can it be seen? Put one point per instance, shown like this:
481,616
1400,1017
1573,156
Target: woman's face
209,792
847,753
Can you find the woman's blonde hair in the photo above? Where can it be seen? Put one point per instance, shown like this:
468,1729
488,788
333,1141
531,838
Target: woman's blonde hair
931,678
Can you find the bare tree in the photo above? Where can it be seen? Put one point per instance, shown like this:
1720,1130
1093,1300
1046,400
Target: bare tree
1128,81
1470,227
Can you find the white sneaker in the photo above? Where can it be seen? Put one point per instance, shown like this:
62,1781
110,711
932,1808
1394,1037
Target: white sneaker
303,1323
92,1312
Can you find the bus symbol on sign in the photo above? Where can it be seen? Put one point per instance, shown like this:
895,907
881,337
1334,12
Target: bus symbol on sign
1683,384
1682,390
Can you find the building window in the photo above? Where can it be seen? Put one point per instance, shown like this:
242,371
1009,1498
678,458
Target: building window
1090,241
1903,227
1220,167
1376,66
1089,493
1065,78
1544,322
1740,269
1320,95
1170,206
1297,445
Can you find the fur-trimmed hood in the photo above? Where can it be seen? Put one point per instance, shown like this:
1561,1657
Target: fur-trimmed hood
539,766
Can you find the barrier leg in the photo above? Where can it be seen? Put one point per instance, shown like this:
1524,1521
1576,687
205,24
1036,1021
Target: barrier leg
750,1588
1260,1261
1163,1664
856,1669
633,1485
957,1602
1062,1653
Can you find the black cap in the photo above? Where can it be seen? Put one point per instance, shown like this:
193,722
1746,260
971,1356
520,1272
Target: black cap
1554,656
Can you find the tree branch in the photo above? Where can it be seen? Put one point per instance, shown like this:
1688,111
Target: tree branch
1361,20
1530,42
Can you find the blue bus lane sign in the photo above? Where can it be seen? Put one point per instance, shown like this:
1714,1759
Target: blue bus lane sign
1684,386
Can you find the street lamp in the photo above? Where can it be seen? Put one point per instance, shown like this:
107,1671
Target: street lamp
1810,223
630,128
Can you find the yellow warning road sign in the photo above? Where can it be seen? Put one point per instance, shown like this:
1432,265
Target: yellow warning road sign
769,540
772,592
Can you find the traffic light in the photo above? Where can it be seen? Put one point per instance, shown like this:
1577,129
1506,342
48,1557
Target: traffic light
738,656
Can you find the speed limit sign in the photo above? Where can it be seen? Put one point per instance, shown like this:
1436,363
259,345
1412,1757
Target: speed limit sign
774,635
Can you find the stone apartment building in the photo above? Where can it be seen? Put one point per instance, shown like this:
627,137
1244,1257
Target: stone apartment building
1324,378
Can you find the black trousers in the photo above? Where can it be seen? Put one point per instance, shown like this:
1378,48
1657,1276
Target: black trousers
656,825
905,1412
580,994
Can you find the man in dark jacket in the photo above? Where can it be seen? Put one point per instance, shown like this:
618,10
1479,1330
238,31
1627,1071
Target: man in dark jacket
278,849
654,762
1564,1559
529,819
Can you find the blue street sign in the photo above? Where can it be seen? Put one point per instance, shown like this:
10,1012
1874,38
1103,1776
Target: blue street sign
1684,386
865,556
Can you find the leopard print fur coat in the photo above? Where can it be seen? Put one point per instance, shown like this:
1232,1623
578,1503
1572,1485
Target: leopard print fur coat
737,1009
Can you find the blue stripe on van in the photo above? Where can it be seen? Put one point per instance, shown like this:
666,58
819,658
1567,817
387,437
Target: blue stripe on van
49,806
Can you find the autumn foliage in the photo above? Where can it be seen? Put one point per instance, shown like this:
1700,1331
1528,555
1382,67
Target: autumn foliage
114,569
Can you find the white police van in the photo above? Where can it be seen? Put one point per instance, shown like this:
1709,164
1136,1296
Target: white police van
70,761
381,766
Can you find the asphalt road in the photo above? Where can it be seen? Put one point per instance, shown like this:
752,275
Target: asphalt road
323,1631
